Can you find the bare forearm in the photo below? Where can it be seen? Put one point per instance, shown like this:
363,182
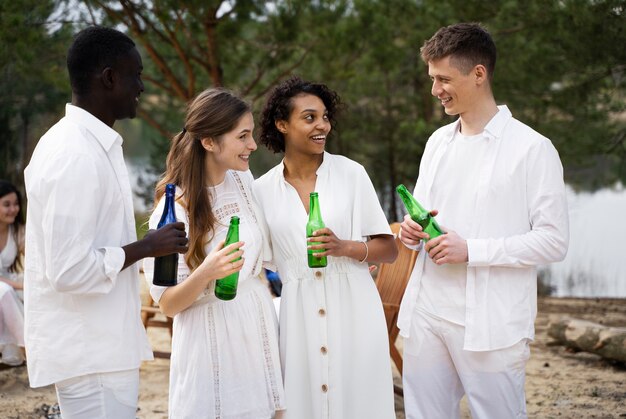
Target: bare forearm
180,297
381,248
14,284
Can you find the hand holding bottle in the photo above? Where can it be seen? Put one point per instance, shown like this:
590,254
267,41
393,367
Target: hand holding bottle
411,233
325,240
169,239
220,262
447,248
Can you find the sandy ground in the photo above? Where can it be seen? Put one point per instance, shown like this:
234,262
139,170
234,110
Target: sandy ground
560,383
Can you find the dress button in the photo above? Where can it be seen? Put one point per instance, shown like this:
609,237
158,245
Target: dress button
324,388
323,350
322,312
318,274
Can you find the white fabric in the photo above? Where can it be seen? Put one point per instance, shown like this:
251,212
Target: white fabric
225,361
442,292
82,311
333,336
8,253
521,221
111,395
437,372
11,307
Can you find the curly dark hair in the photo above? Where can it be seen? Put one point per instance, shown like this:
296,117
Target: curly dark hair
279,106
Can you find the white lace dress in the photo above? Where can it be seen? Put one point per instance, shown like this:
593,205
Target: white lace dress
225,361
11,307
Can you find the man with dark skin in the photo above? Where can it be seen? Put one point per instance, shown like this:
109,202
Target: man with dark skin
83,330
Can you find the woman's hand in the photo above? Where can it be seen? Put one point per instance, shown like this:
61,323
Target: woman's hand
220,262
329,242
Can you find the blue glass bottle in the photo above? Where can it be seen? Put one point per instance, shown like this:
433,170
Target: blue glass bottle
276,284
166,267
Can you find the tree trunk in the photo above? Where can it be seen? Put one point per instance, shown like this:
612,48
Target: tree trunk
609,342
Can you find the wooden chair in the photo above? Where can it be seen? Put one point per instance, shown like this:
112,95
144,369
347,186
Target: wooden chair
391,282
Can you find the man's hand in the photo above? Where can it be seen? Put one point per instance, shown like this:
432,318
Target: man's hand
411,233
169,239
447,248
164,241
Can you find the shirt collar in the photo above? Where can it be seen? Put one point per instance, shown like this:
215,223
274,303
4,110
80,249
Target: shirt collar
105,135
493,129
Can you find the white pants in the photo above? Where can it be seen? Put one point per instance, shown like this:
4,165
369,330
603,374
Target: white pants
111,395
437,372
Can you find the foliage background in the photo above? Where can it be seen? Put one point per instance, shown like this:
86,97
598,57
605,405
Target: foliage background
561,69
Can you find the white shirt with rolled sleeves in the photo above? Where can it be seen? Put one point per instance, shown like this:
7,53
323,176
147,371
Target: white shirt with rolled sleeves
82,310
521,222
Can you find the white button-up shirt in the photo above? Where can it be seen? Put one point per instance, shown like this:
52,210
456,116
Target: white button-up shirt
521,221
82,312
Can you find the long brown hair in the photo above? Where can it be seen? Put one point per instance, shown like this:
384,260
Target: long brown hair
6,188
211,114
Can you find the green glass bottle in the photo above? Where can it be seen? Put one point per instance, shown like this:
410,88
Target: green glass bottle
419,214
315,223
226,288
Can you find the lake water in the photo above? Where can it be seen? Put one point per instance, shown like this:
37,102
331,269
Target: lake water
595,265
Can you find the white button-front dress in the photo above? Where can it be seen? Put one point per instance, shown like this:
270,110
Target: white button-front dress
333,336
225,361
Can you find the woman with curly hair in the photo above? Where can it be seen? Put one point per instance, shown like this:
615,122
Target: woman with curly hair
333,336
11,286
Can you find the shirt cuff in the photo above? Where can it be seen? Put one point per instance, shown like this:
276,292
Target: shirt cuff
477,252
114,258
417,247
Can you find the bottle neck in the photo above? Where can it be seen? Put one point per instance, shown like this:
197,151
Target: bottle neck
169,202
232,235
314,208
169,211
411,204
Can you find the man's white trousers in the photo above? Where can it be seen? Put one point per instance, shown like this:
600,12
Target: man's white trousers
437,372
111,395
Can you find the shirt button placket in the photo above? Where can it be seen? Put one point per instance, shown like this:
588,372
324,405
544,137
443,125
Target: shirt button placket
320,287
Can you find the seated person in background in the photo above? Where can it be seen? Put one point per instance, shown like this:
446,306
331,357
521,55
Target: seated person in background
11,250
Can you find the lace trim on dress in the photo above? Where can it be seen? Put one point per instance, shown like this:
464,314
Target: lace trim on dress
244,193
216,364
225,212
242,188
269,364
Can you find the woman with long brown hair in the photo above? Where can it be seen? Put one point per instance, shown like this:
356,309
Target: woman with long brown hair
11,286
225,359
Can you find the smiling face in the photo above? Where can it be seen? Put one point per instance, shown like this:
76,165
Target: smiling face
456,91
307,127
232,151
128,85
9,208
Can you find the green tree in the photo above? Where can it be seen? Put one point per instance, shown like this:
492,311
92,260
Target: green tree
32,79
560,69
